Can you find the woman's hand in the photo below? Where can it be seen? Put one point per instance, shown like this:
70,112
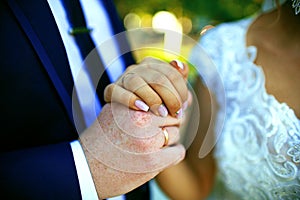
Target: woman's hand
152,84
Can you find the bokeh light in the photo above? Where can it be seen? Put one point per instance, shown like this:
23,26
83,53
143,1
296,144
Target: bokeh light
164,20
132,21
186,24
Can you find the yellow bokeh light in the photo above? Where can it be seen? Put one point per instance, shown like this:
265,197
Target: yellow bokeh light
164,20
132,21
146,20
186,24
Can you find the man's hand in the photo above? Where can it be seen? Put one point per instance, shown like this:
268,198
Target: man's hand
126,148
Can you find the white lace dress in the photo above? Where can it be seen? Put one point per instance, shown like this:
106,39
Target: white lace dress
258,151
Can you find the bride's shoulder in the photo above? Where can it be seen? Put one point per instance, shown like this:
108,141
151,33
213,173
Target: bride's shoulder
222,44
226,33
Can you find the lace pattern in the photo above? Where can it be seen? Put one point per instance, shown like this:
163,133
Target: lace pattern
258,152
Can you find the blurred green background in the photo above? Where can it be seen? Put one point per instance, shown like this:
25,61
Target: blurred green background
199,12
145,19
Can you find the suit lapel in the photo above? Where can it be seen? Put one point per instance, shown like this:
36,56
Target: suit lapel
43,24
38,23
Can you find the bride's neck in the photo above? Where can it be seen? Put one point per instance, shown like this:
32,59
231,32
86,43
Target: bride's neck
279,29
286,20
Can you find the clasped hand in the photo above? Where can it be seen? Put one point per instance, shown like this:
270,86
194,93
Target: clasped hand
154,85
126,146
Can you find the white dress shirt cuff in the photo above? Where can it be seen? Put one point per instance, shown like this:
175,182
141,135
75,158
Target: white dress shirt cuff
87,187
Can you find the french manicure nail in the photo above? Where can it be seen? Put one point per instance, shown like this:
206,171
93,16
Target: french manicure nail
179,114
179,64
141,105
162,110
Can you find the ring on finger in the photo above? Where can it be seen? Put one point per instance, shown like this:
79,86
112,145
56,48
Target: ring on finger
166,136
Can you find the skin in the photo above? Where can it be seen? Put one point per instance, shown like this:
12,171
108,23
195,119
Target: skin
153,81
126,147
141,135
193,177
279,53
276,36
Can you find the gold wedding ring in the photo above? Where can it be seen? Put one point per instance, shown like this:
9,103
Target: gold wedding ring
166,135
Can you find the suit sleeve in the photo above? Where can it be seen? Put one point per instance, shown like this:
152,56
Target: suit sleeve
46,172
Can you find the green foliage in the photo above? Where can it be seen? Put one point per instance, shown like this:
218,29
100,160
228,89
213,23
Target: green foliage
214,11
222,10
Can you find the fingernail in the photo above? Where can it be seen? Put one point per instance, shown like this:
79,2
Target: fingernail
141,105
179,64
179,113
185,105
162,110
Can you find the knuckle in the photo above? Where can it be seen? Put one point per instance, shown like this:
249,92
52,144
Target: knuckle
108,92
133,82
131,67
175,77
128,78
148,59
158,78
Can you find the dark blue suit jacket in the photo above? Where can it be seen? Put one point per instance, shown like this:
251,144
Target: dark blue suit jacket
36,159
